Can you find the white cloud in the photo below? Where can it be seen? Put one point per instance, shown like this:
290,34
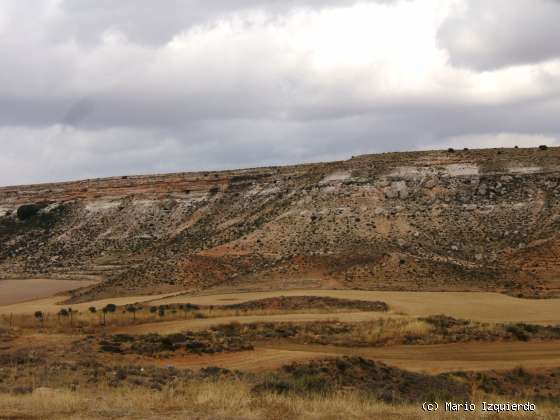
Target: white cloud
250,84
486,35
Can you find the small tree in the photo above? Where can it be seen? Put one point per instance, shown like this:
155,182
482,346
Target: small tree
104,310
161,311
70,313
108,308
63,313
188,307
153,309
40,317
132,309
92,309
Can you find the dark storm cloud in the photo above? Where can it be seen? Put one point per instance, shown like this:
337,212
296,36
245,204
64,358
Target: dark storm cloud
499,33
78,112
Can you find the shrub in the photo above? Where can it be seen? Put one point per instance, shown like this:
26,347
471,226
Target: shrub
518,332
39,316
27,211
111,307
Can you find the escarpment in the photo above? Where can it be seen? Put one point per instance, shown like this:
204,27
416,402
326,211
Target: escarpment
439,220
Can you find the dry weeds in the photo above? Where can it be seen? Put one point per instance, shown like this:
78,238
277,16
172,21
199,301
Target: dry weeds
211,400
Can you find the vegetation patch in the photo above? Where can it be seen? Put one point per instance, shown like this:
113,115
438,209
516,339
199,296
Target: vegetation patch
208,342
373,378
382,332
450,329
310,302
543,385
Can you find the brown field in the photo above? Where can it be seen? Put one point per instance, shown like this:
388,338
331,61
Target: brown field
433,359
477,306
438,358
22,290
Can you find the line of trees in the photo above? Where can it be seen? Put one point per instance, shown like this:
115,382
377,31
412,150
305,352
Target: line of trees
110,308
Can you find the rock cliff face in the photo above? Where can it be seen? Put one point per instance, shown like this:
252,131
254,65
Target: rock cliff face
462,220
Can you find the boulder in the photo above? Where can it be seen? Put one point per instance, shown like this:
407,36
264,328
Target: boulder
397,189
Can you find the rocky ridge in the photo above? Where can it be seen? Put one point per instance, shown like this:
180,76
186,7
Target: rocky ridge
437,220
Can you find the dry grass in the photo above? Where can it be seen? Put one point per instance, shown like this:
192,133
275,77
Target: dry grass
391,330
205,400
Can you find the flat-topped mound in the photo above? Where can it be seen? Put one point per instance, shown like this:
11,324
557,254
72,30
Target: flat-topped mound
464,220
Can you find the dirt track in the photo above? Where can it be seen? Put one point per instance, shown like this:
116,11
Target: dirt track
431,358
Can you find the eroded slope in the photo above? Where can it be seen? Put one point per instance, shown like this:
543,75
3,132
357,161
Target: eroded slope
464,220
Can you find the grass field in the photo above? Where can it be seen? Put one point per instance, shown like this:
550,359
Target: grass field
231,400
30,349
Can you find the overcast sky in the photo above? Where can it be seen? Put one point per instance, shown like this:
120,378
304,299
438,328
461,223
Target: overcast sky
94,88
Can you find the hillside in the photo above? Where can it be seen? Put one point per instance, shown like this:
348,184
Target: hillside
438,220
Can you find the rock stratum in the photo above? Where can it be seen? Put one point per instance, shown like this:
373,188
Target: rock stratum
437,220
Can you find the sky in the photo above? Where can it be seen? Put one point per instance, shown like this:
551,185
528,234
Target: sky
93,88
